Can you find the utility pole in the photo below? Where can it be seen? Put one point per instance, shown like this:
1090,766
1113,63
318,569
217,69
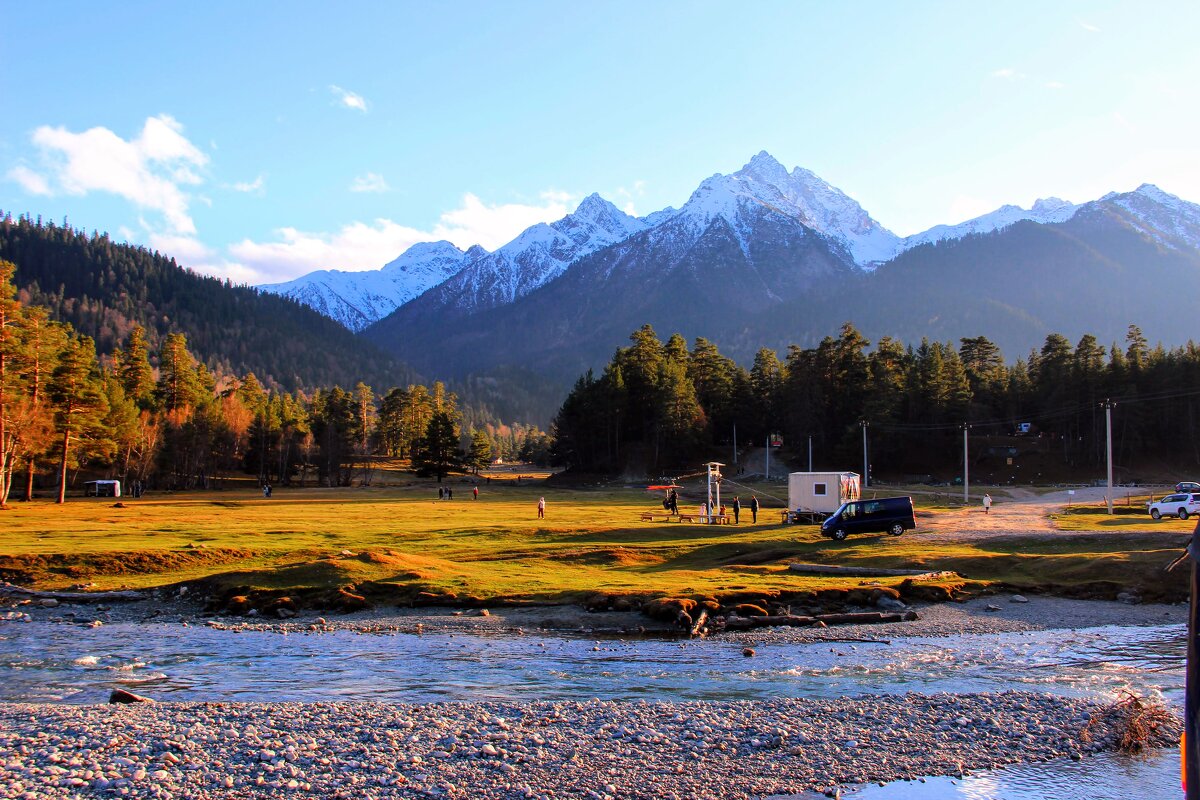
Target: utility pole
810,452
735,445
966,467
1108,407
866,466
768,457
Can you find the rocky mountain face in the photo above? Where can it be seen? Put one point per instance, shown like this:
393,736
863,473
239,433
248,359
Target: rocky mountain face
356,299
771,257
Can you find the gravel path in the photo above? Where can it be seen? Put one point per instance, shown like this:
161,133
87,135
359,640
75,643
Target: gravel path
536,750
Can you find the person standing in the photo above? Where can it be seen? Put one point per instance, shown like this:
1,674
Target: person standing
737,509
541,508
449,493
987,503
754,508
474,492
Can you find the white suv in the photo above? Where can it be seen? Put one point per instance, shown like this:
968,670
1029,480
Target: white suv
1175,505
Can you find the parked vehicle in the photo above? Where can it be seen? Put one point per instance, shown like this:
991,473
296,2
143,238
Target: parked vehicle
1187,486
1175,505
893,515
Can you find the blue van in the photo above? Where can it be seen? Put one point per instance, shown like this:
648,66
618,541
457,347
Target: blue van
893,515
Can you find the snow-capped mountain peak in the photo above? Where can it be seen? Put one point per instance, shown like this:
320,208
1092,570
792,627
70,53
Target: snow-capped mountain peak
1046,211
1162,216
764,185
356,299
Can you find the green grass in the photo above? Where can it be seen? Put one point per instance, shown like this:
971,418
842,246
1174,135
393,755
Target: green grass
496,548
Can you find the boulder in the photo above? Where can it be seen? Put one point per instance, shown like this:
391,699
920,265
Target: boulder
122,696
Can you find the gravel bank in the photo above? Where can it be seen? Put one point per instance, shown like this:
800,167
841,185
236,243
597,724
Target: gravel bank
939,619
537,750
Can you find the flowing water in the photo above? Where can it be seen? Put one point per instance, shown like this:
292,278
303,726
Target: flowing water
66,663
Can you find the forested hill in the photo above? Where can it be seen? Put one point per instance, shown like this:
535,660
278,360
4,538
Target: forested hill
104,289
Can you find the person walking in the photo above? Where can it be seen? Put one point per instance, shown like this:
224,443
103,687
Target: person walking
441,493
754,508
673,502
987,503
541,508
737,509
474,492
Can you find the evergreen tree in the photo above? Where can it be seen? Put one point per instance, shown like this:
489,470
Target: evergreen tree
77,397
12,389
438,453
133,368
480,454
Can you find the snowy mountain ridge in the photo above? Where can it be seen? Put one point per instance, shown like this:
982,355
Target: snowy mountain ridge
443,277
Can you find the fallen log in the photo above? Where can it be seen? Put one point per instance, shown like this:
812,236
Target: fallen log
698,624
798,621
869,572
9,590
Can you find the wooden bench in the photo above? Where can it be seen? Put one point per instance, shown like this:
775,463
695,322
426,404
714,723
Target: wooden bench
650,516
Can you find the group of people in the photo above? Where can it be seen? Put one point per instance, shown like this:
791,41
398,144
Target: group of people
671,503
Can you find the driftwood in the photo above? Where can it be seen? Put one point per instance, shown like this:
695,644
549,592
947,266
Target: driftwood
8,590
698,624
798,621
869,572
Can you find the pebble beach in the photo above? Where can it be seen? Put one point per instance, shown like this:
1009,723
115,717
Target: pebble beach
594,749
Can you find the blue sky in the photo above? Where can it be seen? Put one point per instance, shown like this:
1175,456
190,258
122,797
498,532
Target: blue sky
262,140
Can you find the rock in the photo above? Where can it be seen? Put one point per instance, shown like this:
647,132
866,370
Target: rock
122,696
1017,598
1129,598
992,607
483,612
747,651
284,613
749,610
886,603
48,602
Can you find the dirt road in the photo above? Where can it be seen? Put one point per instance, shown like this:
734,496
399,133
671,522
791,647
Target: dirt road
1016,511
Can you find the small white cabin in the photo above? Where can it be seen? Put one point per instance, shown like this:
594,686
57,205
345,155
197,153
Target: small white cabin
821,492
102,488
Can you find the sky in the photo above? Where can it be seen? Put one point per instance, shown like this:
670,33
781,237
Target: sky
260,141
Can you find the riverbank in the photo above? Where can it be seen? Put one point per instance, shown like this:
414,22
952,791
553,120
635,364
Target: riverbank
595,749
999,613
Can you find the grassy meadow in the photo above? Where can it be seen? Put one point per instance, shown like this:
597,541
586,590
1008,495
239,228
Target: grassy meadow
403,540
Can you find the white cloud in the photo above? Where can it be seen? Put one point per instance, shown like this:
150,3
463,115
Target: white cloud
187,250
1007,73
362,245
149,171
255,186
371,182
494,225
1088,27
349,99
30,181
629,195
1055,85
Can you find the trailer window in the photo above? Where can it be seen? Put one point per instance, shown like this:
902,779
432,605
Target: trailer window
819,489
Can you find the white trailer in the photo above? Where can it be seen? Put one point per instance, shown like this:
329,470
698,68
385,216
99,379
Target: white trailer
815,495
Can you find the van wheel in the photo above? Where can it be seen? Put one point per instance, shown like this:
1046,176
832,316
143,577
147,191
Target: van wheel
896,529
1155,514
839,534
1183,513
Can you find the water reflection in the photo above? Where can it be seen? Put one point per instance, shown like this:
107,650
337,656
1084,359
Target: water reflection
1107,776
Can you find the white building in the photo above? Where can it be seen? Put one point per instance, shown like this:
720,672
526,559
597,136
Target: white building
821,492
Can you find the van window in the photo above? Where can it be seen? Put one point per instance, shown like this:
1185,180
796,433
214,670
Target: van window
872,508
849,510
819,489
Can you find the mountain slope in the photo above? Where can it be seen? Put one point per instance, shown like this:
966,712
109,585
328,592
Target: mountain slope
747,274
104,289
703,270
356,299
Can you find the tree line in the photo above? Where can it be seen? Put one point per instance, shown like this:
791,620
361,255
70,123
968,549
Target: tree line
105,288
664,405
180,425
